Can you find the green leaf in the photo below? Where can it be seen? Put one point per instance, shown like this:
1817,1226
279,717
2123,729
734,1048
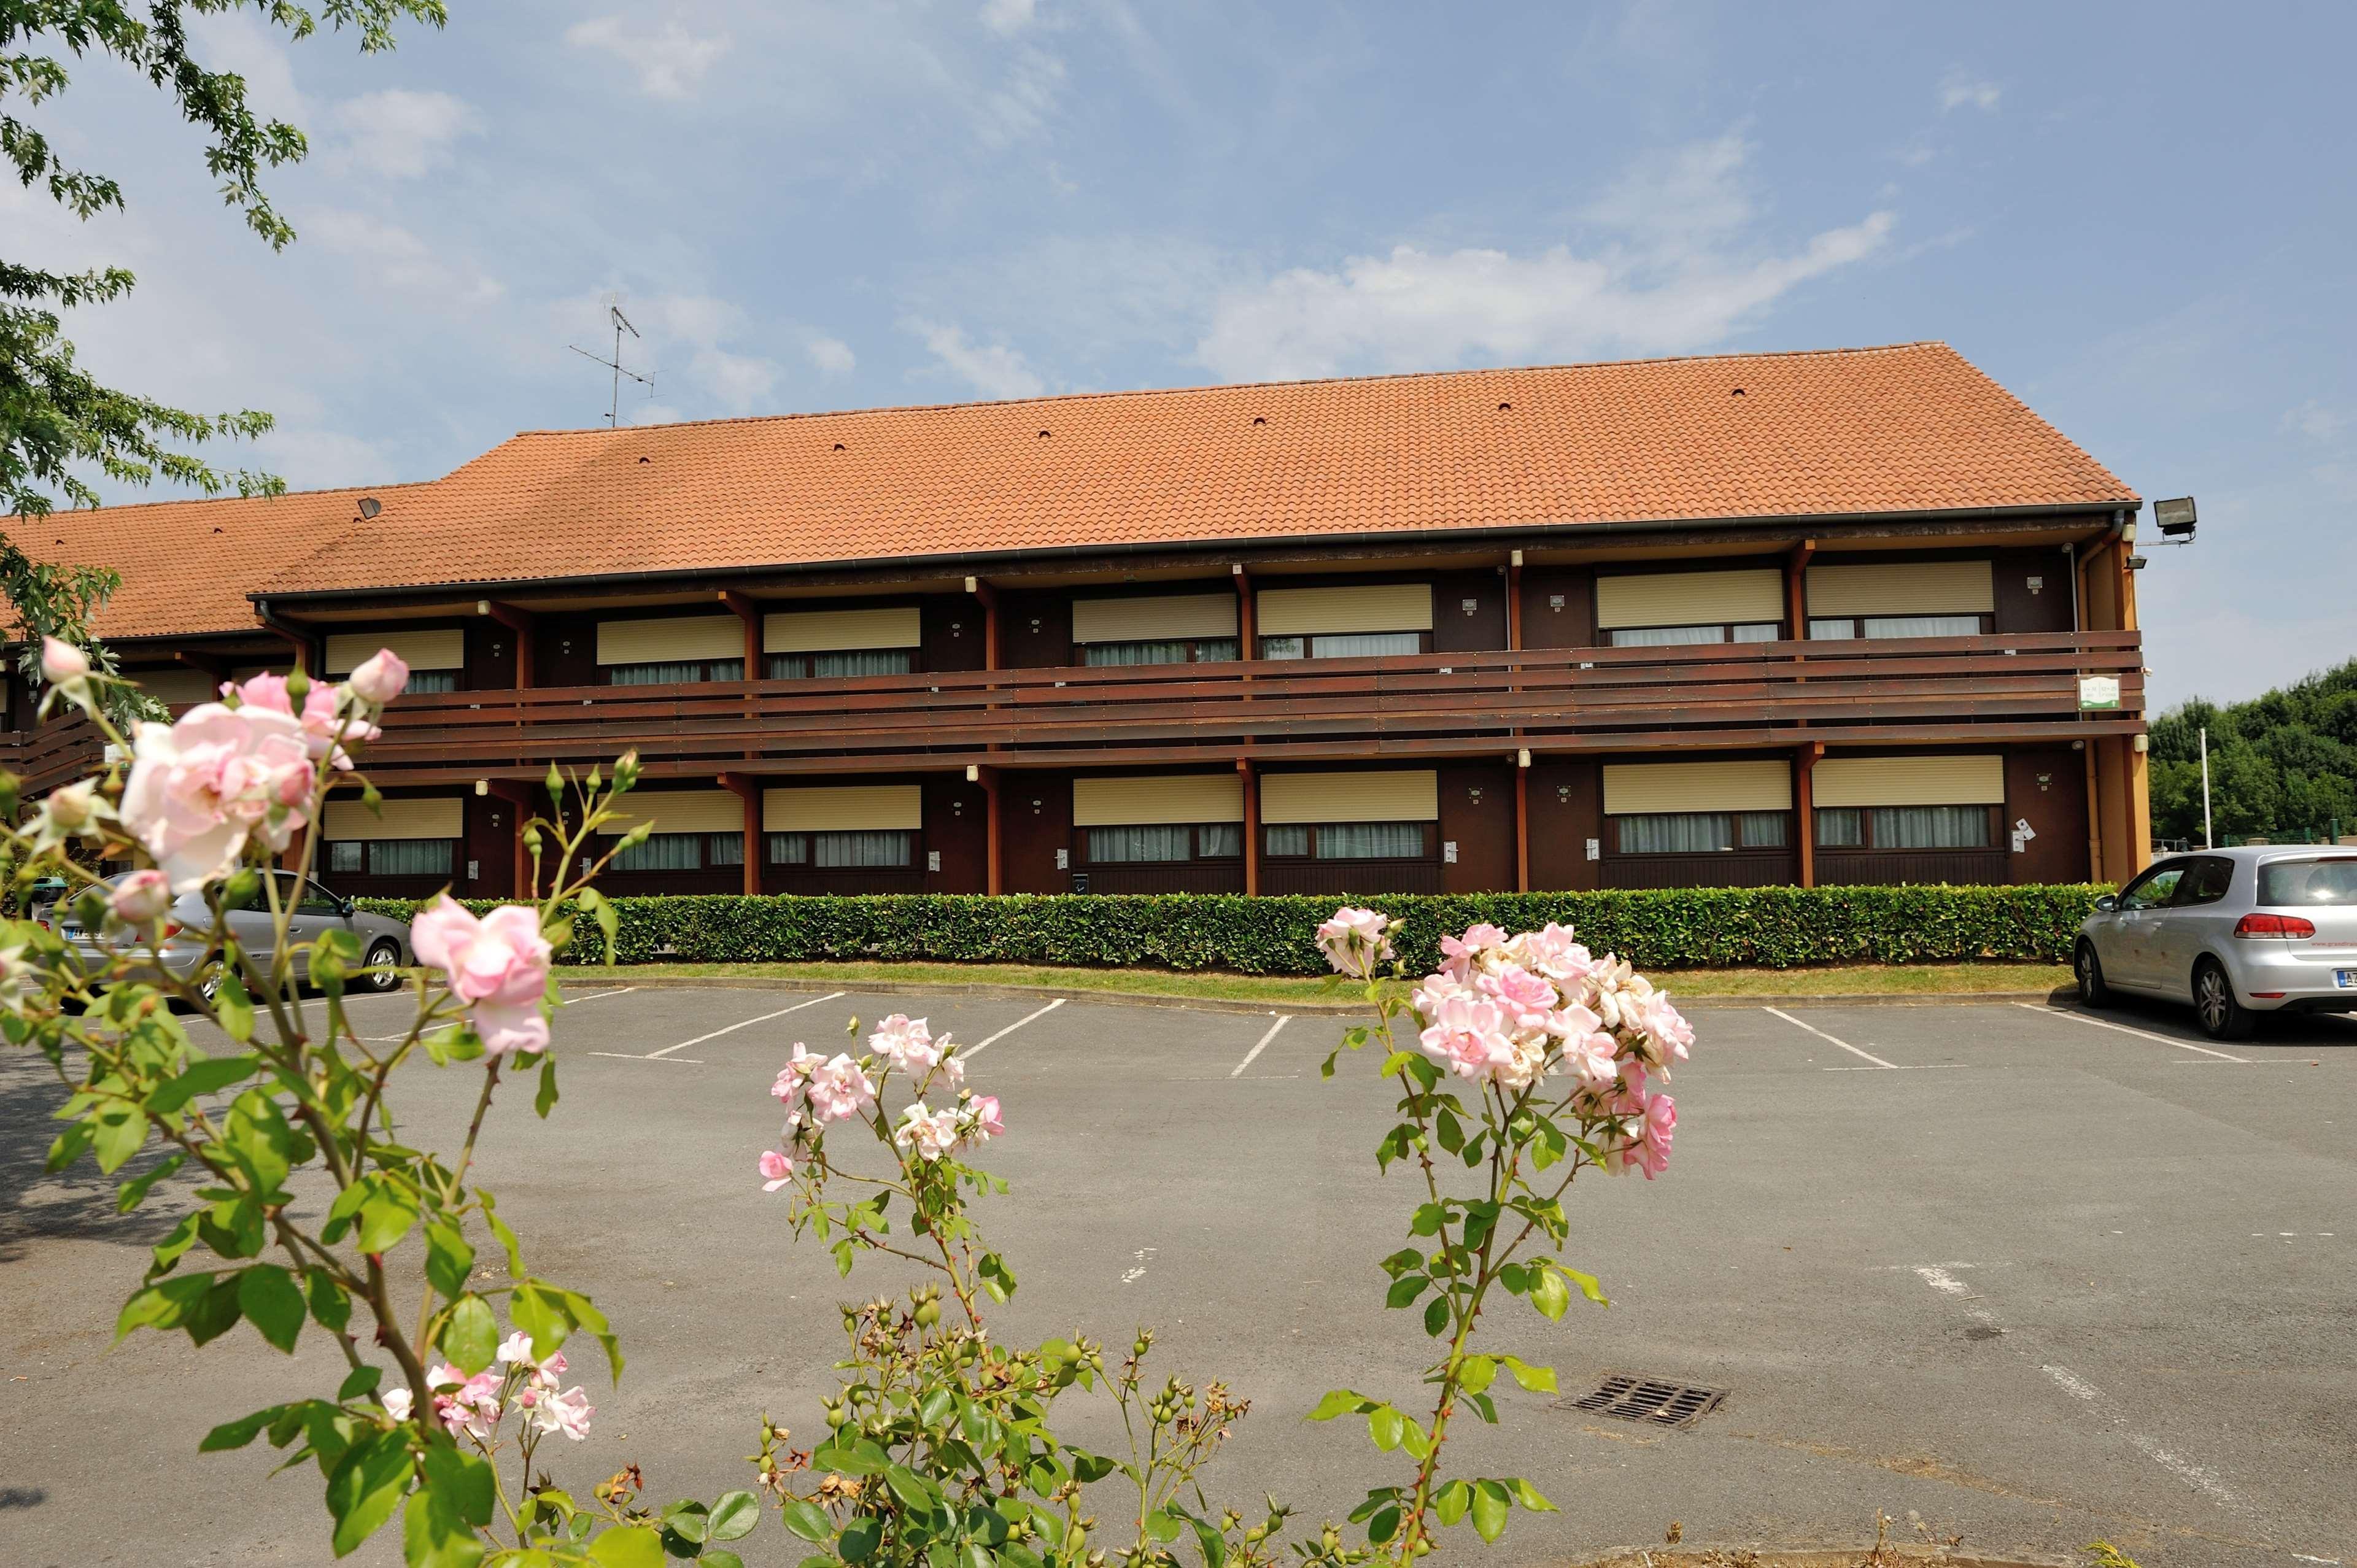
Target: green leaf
470,1336
386,1215
360,1381
1436,1316
1529,1497
239,1433
133,1193
432,1535
463,1480
117,1131
272,1303
628,1546
235,1009
1403,1291
858,1539
734,1516
1338,1401
1385,1425
1490,1505
1384,1525
1548,1295
545,1101
209,1076
720,1557
804,1519
1587,1284
688,1521
366,1485
1449,1503
331,1309
449,1259
1534,1380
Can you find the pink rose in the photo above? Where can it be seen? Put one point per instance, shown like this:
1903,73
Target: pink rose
906,1043
1587,1050
839,1090
777,1168
327,728
498,966
141,898
1468,1036
199,788
1353,942
1523,994
63,664
987,1122
381,678
1666,1027
1552,951
931,1133
568,1413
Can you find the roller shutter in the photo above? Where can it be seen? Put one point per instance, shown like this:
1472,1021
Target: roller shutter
671,641
1403,797
1173,798
444,648
178,687
1639,788
681,812
1153,618
1360,606
1904,588
1975,780
1690,598
843,808
438,819
833,631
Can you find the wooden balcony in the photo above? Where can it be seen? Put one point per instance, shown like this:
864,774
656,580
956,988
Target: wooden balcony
1552,700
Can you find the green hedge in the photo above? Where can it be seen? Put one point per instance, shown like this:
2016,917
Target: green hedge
1773,927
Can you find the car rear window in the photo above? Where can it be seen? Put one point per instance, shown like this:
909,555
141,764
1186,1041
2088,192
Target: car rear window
2309,882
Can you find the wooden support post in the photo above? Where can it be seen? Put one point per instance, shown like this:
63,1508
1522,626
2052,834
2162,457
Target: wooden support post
1804,808
1247,641
521,800
993,882
1252,827
1515,602
2095,871
987,597
750,614
1521,819
1796,589
748,793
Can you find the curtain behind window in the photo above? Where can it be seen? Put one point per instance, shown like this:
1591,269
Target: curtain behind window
1370,841
1680,832
1135,653
1923,625
1164,841
424,680
1666,636
1364,644
410,857
664,852
887,847
1930,827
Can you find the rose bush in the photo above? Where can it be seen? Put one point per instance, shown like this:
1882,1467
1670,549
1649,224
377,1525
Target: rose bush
1520,1062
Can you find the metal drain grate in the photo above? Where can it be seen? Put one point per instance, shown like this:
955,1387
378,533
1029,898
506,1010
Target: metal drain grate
1655,1401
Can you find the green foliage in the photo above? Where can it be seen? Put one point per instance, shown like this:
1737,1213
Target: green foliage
1770,927
2282,766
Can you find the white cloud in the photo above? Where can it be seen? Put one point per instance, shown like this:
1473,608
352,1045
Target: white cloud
1959,89
669,61
831,356
1019,107
653,414
397,258
994,370
741,382
2318,423
1679,278
309,458
403,134
1008,18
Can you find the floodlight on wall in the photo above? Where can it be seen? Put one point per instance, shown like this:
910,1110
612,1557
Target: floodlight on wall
370,506
2176,518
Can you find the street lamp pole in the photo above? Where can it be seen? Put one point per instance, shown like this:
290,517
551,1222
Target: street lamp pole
2208,840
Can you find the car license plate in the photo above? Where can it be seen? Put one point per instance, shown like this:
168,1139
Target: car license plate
2345,978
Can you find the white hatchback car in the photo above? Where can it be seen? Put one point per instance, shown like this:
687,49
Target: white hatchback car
2236,932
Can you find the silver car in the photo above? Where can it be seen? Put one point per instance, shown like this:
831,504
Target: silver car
2236,932
383,943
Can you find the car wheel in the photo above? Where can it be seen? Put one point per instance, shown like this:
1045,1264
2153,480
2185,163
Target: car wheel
209,986
2089,970
2221,1013
384,959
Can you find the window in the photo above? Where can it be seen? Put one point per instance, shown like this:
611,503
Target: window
1906,827
882,848
392,857
1351,841
678,672
1164,844
2155,887
424,680
2309,882
1679,636
2211,878
1700,833
1174,650
789,849
724,849
1841,629
663,852
839,665
1343,645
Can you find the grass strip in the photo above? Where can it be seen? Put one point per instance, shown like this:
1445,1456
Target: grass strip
1844,980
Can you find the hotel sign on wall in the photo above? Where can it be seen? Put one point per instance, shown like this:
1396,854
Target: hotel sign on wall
2099,692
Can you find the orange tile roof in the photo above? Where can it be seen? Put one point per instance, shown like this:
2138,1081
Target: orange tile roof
1905,428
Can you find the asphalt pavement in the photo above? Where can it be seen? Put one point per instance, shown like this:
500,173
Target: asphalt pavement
2025,1275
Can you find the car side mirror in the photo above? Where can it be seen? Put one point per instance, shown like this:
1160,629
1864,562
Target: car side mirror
2106,904
346,907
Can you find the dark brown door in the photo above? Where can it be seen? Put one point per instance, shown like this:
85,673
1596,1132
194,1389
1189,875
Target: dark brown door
2048,789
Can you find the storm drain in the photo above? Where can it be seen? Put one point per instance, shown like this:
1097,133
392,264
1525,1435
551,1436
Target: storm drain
1655,1401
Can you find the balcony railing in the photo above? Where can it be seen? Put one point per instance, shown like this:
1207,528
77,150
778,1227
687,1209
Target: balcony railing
2016,688
1437,705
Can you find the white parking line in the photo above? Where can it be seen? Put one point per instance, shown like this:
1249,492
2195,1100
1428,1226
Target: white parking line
593,996
2123,1029
1282,1021
1844,1044
967,1053
812,1002
667,1061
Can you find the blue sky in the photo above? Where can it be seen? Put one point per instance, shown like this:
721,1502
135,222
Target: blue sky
2140,219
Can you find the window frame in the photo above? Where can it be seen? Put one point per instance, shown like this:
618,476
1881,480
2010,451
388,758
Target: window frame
1857,624
437,681
368,855
1727,629
1196,854
770,662
1193,646
1310,856
774,841
1735,823
1309,640
706,665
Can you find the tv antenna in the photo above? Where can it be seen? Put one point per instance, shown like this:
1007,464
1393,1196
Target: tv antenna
622,325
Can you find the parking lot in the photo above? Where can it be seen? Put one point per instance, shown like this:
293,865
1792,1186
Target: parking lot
2031,1277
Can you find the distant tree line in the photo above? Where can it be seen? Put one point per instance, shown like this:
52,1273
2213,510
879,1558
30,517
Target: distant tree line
2282,766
